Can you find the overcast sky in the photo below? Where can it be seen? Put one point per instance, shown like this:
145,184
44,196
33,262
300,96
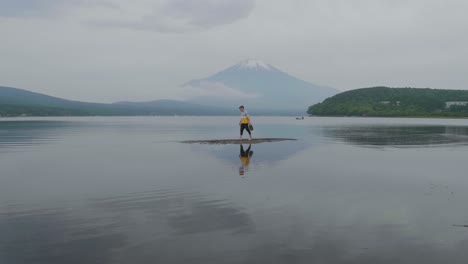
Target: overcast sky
111,50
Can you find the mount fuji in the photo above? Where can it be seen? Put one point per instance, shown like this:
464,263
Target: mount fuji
259,86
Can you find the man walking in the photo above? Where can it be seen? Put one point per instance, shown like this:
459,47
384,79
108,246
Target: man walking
244,122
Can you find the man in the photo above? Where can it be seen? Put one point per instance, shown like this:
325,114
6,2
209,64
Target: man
244,122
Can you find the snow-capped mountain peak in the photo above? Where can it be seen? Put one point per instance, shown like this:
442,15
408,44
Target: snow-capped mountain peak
254,65
258,85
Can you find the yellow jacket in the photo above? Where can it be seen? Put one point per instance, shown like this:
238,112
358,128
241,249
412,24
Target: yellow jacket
245,118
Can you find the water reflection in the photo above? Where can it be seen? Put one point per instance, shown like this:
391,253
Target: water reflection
117,229
175,226
400,136
30,133
55,236
184,212
245,156
241,157
352,207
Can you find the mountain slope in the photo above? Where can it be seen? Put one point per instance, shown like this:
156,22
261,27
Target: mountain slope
258,85
385,101
15,102
14,96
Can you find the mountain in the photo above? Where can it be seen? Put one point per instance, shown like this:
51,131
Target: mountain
385,101
14,96
17,102
257,85
180,107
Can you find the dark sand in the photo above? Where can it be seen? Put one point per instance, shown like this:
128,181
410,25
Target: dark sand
236,141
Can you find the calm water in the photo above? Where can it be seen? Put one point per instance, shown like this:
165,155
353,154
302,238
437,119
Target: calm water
124,190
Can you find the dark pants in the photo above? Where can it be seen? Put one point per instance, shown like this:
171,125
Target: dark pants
246,127
245,153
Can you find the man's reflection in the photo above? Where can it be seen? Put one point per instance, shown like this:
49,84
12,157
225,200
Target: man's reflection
245,156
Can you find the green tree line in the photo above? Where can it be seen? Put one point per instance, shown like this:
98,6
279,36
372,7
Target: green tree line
393,102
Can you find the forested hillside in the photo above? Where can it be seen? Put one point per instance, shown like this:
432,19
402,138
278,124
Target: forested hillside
385,101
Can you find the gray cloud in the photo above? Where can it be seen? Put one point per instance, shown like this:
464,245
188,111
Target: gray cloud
29,7
214,90
178,16
44,8
207,13
339,43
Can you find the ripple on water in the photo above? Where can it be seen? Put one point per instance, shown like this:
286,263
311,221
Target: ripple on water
400,136
96,231
22,134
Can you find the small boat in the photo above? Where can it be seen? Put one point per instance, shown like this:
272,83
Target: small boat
299,118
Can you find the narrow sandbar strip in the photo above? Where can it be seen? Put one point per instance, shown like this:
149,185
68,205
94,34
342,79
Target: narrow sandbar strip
237,141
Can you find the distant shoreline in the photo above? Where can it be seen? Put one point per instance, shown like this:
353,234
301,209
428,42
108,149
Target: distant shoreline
395,102
389,117
4,118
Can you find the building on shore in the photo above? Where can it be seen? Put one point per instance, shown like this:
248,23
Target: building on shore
397,103
457,103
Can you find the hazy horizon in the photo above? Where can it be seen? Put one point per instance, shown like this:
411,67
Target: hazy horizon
114,50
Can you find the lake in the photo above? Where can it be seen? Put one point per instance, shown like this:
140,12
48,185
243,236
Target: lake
126,190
